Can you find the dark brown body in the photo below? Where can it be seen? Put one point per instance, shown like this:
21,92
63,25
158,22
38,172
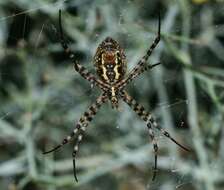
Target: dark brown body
111,65
110,62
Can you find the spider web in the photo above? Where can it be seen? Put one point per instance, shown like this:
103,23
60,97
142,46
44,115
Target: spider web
36,45
39,34
53,90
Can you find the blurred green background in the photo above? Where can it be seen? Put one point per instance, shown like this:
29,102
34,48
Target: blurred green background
42,97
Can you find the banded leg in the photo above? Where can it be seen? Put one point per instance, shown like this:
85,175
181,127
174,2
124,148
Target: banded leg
155,148
144,116
78,67
81,125
88,116
75,150
148,118
141,70
141,64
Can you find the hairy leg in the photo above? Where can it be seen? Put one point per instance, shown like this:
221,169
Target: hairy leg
137,70
150,122
78,67
93,109
141,70
80,127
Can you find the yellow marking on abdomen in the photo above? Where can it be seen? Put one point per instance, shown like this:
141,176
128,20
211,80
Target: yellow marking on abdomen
117,74
104,70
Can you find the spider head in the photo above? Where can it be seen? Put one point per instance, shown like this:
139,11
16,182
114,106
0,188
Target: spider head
109,61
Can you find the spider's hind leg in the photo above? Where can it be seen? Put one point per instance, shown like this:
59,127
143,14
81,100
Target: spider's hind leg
81,127
65,140
75,150
167,134
86,119
150,121
155,148
146,116
78,141
140,110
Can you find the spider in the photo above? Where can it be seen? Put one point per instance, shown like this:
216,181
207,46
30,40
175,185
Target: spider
110,63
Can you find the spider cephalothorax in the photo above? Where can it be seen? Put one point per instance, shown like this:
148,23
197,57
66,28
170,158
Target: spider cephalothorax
110,64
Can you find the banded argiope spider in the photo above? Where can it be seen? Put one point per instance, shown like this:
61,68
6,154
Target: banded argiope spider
110,64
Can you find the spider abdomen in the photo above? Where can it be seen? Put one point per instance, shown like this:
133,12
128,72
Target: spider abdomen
110,61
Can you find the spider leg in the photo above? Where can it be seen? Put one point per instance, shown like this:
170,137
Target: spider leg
78,67
155,148
76,148
167,134
150,121
146,116
137,70
88,118
144,59
126,81
81,125
149,67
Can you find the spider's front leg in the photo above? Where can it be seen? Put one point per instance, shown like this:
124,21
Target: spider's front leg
126,81
78,67
150,122
144,59
141,65
81,127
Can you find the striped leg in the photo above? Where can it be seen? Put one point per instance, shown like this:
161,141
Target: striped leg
88,116
155,148
141,64
127,80
81,126
150,121
75,150
79,68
